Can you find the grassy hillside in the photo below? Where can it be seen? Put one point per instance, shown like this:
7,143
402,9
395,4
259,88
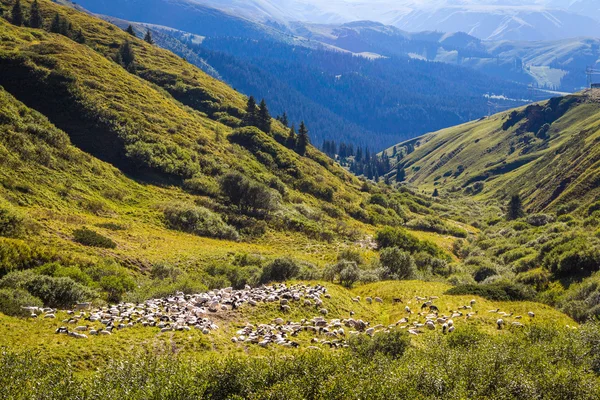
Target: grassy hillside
550,143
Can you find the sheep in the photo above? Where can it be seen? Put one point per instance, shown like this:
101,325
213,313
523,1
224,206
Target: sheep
396,300
324,311
531,314
378,300
407,309
500,323
369,300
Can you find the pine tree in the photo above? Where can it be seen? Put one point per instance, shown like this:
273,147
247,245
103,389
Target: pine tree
290,142
148,37
284,120
126,56
435,193
79,37
1,11
17,14
130,31
515,208
65,27
264,118
250,118
400,174
35,17
55,25
303,139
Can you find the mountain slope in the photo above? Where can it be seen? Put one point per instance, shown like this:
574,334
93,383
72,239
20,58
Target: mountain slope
551,144
363,100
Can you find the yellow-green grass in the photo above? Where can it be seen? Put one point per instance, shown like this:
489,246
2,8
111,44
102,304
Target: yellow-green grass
38,335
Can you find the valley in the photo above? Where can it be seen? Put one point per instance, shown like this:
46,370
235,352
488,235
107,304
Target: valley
164,235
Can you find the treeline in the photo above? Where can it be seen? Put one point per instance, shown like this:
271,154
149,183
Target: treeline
33,18
360,161
365,102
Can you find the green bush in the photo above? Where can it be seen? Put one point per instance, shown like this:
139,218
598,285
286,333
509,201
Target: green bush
346,272
11,223
435,224
202,185
483,272
249,196
578,256
398,237
392,344
396,264
53,292
12,302
280,270
500,291
87,237
198,221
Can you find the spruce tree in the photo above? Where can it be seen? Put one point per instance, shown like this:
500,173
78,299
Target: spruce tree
17,14
435,193
290,142
303,140
126,56
55,25
35,16
79,37
515,208
130,31
250,119
284,120
1,11
264,118
148,37
400,174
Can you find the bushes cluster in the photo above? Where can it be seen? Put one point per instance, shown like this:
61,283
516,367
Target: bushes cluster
11,224
249,196
392,344
575,257
499,291
198,221
88,237
398,237
53,292
396,264
280,270
435,224
12,302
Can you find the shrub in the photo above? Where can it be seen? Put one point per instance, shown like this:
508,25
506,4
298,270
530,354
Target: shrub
349,274
578,256
250,196
378,199
434,224
483,272
280,270
53,292
116,286
396,264
12,302
391,344
500,291
397,237
11,223
537,278
201,185
198,221
87,237
539,219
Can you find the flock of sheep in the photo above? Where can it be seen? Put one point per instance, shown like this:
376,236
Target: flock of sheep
185,312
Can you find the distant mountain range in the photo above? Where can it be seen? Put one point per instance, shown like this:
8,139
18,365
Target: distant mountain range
485,19
367,100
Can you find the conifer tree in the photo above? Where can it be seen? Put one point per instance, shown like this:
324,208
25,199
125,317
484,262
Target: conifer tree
303,140
400,174
1,11
35,16
126,56
79,37
17,13
55,25
130,31
264,118
435,193
148,37
250,118
515,208
291,139
284,120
